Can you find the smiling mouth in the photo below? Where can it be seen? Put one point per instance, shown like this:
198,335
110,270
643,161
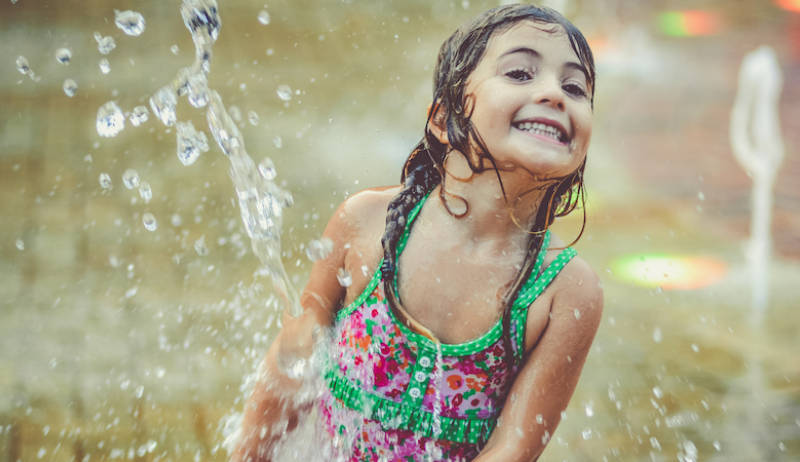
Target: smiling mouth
552,132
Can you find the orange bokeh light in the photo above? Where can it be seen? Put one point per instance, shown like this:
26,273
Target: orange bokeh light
791,5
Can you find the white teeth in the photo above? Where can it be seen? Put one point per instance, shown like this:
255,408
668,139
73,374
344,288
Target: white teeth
541,129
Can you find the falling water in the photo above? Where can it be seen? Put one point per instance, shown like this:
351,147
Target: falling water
261,200
758,147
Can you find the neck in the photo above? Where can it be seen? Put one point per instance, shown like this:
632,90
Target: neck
489,210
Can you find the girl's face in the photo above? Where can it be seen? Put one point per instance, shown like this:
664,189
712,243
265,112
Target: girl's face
531,101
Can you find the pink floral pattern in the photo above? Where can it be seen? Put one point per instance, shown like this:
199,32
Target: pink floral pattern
376,355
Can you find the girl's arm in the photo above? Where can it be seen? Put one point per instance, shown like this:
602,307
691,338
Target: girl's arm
274,407
548,378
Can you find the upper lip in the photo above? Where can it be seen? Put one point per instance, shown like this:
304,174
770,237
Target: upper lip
565,135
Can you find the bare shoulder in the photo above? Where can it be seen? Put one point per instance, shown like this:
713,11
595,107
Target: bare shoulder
579,291
361,213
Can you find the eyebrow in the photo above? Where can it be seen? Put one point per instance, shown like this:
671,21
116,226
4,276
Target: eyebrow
530,51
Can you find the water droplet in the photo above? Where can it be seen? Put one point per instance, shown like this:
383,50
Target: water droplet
691,451
654,442
105,181
284,92
695,348
105,68
163,104
160,371
291,365
41,453
149,221
577,314
717,445
278,141
201,17
252,117
589,410
267,169
140,388
175,50
20,244
198,89
365,270
22,65
263,17
110,120
190,143
539,419
130,178
104,44
139,115
235,113
63,55
587,433
657,337
145,191
70,87
176,220
130,293
701,196
344,277
657,391
46,430
319,250
200,246
131,22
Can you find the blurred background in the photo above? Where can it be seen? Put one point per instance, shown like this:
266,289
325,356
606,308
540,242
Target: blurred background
118,342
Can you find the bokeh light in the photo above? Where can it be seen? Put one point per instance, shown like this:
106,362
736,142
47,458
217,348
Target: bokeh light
689,23
670,272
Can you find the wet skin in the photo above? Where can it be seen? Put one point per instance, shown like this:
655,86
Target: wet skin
455,270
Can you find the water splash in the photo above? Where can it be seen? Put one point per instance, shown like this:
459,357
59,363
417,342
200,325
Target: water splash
284,92
105,68
139,115
758,146
105,181
319,249
145,191
163,104
130,22
110,120
22,65
130,178
104,44
267,169
149,221
63,56
261,201
70,87
190,143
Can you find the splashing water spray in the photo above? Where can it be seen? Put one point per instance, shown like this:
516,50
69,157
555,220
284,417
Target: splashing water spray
261,200
758,147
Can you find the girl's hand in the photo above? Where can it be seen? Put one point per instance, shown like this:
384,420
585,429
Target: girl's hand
544,385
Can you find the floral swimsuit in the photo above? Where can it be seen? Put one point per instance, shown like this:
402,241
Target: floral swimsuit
394,395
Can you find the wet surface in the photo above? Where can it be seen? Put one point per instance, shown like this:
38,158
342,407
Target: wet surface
141,339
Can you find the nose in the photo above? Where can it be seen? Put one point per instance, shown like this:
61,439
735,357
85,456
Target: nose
548,92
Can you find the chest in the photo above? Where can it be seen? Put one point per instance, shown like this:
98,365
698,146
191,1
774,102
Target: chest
455,292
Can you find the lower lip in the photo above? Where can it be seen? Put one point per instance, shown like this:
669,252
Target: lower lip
541,137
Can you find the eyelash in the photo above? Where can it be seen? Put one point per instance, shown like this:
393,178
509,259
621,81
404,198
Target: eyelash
521,74
514,74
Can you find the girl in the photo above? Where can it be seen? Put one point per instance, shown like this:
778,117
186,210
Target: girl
466,337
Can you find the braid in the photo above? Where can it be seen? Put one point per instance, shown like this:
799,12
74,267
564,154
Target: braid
420,175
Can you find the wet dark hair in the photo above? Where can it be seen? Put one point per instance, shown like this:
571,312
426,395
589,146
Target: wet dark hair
424,168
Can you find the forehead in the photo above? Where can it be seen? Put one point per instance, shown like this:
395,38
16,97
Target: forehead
547,39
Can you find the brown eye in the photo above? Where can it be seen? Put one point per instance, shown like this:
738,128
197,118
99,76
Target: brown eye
574,90
519,75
